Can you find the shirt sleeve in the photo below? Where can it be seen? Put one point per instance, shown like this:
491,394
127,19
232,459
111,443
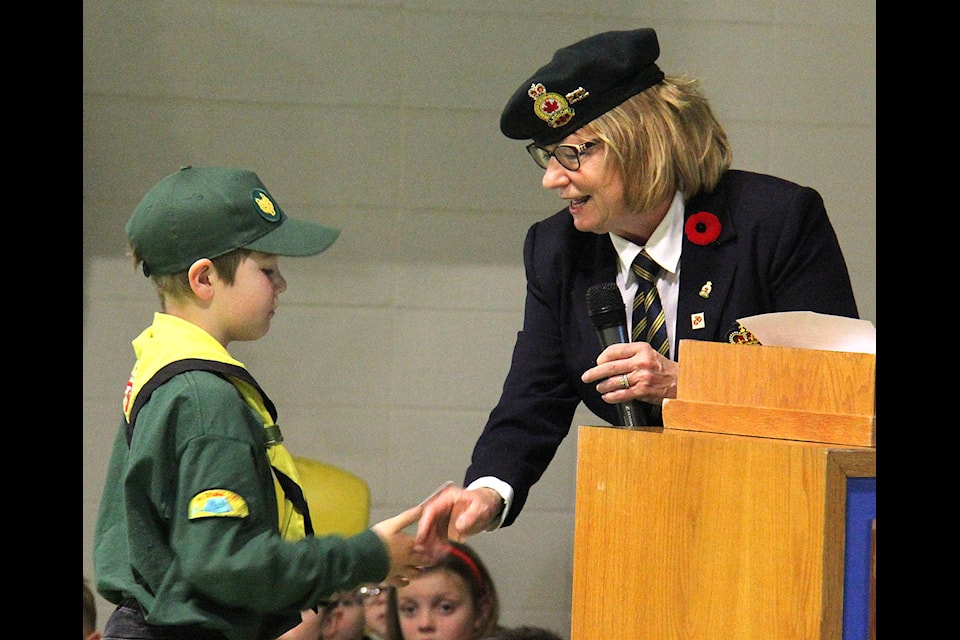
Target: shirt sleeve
211,487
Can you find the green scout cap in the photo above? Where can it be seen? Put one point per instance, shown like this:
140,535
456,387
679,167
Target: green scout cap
205,212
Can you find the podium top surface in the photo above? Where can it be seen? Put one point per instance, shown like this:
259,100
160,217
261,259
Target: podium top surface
777,392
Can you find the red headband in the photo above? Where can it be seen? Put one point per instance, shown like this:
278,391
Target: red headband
467,560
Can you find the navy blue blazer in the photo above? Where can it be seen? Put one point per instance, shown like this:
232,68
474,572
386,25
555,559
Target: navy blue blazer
776,251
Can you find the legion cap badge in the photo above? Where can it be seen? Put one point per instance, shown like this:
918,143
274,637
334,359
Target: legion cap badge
553,108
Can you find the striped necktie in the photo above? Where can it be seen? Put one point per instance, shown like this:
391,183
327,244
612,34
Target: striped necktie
649,324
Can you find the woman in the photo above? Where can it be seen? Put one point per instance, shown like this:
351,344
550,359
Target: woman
643,168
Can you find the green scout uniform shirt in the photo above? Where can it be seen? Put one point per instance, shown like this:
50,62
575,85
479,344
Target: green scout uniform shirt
197,441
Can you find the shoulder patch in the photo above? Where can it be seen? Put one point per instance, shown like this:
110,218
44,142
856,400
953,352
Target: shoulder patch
218,503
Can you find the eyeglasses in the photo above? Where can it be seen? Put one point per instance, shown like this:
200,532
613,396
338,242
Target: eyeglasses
568,155
368,593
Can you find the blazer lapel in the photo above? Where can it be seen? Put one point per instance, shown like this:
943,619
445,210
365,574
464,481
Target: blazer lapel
706,274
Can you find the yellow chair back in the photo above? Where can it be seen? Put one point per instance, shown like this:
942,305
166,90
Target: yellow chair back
339,501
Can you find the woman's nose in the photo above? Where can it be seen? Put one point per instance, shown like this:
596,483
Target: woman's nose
554,175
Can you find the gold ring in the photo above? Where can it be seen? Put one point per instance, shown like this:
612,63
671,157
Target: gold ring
624,382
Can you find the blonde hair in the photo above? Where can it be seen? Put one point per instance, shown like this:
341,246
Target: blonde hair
662,140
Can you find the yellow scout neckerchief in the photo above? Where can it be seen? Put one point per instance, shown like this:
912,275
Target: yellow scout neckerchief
172,345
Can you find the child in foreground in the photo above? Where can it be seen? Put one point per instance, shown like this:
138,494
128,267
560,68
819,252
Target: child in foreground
203,530
454,599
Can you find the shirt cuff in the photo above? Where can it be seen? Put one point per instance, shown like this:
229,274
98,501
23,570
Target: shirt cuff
506,494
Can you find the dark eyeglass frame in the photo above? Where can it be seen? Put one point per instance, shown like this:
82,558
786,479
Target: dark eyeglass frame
569,157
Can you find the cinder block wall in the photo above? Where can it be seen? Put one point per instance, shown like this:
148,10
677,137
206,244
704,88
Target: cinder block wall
381,117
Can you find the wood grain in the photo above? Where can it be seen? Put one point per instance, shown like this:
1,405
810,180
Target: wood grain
689,535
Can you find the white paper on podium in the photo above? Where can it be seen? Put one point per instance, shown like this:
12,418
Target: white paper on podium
810,330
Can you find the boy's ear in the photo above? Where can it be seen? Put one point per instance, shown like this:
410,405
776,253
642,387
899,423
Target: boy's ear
200,275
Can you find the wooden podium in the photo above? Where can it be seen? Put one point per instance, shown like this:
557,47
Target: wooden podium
704,532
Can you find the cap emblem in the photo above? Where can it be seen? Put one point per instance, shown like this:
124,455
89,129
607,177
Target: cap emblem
265,206
550,107
741,335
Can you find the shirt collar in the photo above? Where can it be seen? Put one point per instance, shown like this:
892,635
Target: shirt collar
663,245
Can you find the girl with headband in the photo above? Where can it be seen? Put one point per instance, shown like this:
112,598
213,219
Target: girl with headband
455,599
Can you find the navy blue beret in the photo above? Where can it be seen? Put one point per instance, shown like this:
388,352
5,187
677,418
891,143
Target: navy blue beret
581,83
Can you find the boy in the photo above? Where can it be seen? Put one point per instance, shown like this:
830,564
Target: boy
203,531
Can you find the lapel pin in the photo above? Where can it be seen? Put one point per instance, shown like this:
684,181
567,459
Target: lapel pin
697,320
706,289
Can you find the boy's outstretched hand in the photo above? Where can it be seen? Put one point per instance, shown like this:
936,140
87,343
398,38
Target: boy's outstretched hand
406,557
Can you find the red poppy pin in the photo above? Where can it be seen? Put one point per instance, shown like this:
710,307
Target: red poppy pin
702,227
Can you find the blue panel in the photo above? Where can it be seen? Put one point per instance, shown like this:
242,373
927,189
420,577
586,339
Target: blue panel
861,511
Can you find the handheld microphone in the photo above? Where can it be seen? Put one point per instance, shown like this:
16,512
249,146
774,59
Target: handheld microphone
609,316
